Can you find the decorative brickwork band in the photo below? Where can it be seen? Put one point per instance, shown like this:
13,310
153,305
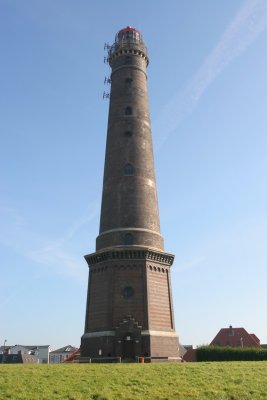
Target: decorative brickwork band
129,254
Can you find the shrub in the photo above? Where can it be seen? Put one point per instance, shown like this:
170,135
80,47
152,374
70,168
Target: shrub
217,353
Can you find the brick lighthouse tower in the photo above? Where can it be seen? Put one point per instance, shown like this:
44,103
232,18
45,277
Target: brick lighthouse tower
129,304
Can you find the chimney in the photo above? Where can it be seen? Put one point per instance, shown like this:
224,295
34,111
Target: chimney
231,331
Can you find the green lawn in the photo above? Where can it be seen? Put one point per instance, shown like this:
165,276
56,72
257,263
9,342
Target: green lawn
190,381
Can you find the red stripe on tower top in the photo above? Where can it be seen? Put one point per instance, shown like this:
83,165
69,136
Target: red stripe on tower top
128,28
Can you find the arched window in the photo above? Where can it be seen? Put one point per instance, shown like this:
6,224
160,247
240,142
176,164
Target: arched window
128,169
128,81
128,133
128,239
128,292
128,110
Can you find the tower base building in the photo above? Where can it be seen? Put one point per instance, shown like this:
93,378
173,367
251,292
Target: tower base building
129,309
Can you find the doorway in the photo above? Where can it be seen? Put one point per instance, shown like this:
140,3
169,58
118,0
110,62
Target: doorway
128,351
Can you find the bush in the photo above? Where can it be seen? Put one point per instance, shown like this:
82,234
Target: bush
217,353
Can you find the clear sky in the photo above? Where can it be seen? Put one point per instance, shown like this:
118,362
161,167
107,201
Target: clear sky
208,102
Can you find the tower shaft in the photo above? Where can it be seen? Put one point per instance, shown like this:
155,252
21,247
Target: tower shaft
129,212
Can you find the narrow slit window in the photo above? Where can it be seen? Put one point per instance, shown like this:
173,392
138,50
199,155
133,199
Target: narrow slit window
128,110
128,169
128,239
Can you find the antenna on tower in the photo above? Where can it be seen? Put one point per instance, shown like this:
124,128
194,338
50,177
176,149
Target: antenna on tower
107,79
107,46
106,60
106,95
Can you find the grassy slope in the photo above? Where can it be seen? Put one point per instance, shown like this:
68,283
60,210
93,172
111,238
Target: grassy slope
198,381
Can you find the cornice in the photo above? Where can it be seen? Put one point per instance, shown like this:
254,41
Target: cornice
129,253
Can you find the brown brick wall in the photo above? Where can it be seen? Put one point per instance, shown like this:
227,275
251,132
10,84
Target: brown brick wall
107,306
129,275
160,313
150,304
164,346
98,315
90,346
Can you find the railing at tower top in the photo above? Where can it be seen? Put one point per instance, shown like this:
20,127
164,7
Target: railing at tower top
126,44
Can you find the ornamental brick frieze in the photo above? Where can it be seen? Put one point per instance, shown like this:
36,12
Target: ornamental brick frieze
162,258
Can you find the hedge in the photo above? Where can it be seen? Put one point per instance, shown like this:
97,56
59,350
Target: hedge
217,353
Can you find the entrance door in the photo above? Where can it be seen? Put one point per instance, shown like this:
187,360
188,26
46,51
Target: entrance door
128,347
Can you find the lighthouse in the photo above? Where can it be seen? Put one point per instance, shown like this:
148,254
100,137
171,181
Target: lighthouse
129,311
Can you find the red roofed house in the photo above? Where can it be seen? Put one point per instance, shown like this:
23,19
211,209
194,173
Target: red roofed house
235,337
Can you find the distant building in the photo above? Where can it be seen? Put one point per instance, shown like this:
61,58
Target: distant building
60,355
17,359
190,355
5,349
40,352
74,357
183,348
235,337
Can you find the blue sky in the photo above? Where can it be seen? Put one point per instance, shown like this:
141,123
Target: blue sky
208,97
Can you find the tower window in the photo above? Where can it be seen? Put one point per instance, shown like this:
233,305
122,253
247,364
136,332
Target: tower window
128,133
128,110
128,239
128,169
128,81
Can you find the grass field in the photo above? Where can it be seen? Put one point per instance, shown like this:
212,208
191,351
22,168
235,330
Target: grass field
190,381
